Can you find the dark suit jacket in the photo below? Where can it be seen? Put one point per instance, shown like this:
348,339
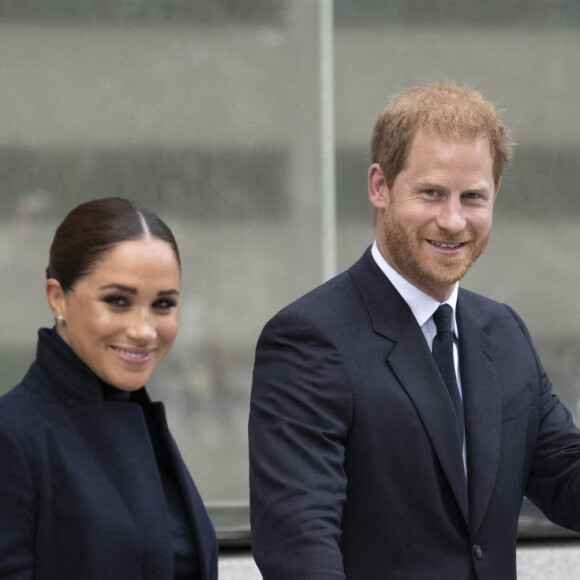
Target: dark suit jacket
355,461
80,492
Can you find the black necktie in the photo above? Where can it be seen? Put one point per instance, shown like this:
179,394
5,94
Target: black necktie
443,354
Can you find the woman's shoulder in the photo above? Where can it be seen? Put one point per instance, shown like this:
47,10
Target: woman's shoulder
15,400
25,404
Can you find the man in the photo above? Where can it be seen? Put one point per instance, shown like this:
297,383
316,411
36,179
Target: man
372,457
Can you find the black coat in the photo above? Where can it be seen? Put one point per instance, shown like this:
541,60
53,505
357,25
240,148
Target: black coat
80,492
356,468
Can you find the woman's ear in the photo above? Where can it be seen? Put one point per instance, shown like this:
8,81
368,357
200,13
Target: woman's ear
56,299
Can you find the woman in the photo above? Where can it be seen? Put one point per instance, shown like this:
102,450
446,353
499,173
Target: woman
92,485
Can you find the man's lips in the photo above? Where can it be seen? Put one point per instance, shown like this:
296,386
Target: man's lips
447,245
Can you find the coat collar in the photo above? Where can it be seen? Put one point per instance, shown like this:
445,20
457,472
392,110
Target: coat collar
59,375
70,380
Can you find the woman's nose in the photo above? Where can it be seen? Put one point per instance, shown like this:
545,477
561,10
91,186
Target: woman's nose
141,327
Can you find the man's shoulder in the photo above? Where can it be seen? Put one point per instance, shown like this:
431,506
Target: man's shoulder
331,305
489,312
473,299
343,290
325,298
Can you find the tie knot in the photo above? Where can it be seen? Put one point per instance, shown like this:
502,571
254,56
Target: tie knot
442,318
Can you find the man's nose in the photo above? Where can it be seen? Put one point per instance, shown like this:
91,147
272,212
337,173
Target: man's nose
451,217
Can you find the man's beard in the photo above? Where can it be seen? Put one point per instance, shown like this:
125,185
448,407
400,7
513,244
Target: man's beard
407,252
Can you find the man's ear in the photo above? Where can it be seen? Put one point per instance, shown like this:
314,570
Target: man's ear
377,187
55,297
497,189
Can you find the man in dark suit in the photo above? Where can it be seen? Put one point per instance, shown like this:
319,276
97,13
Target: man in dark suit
383,445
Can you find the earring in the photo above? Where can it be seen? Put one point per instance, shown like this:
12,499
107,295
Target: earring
59,319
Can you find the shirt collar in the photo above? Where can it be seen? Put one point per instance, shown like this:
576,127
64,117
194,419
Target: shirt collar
422,305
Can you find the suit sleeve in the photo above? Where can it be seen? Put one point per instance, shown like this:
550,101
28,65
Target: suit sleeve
17,519
553,482
300,413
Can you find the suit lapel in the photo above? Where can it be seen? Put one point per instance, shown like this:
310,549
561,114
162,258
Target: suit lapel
420,378
482,404
412,363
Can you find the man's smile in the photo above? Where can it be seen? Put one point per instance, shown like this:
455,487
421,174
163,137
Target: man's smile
447,245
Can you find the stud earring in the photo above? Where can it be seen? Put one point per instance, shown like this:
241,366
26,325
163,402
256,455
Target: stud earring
59,319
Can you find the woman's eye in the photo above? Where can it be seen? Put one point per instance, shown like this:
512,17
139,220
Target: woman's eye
116,300
165,303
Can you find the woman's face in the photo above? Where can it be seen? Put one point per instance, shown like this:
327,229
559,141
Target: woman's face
121,318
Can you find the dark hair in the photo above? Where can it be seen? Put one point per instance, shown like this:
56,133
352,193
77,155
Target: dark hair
93,228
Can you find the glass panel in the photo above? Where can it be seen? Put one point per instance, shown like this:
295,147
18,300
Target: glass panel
205,111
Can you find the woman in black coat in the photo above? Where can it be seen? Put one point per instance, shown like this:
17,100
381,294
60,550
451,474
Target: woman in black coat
92,485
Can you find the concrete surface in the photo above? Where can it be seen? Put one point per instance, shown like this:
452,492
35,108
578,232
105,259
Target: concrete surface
553,561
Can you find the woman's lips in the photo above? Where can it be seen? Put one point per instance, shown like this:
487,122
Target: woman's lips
132,355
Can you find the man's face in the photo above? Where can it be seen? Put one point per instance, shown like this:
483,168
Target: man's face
438,213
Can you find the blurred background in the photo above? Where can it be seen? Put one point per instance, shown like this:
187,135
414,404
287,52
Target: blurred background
245,125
